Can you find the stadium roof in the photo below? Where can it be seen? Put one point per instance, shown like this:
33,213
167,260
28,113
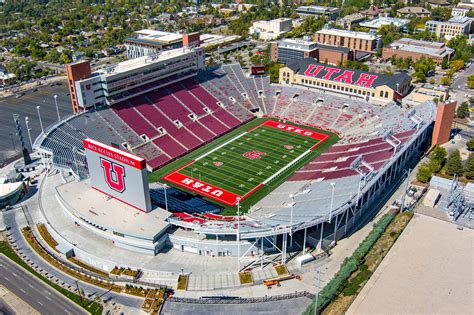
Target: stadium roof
300,67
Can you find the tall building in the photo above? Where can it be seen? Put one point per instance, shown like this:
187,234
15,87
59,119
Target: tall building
455,26
416,49
268,30
146,42
130,78
287,50
443,123
77,71
358,41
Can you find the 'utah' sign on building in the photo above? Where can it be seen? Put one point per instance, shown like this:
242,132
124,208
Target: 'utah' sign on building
355,83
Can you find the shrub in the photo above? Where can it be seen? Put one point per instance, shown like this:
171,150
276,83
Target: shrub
349,265
470,145
454,164
424,172
463,110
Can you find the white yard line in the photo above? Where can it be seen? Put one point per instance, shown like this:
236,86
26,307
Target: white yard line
286,167
217,148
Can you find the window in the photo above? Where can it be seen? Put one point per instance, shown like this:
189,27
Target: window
381,93
386,94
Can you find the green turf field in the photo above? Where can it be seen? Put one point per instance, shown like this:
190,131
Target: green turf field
221,163
239,174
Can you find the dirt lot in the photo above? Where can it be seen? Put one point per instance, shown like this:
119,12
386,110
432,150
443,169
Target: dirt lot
429,270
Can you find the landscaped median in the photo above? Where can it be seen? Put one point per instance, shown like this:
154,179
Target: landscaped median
356,270
88,305
97,281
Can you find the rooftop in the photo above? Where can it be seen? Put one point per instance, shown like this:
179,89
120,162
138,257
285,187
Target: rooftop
347,33
381,21
139,62
96,207
316,9
300,67
413,10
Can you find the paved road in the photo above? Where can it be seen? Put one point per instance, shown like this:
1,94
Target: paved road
33,291
26,106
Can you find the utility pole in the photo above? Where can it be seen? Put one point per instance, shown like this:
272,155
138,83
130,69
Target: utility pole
318,285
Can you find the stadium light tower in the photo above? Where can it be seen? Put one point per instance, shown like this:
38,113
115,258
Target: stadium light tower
39,116
27,121
57,108
333,185
238,234
166,200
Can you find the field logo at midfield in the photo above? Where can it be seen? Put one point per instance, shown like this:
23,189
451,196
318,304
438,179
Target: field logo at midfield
289,147
114,175
253,155
217,163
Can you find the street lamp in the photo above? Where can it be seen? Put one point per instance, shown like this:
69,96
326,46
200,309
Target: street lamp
292,198
39,116
27,121
333,185
57,108
238,234
166,200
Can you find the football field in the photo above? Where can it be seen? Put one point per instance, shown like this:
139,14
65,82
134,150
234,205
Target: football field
240,166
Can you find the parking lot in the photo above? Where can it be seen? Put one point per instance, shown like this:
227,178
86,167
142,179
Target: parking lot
25,106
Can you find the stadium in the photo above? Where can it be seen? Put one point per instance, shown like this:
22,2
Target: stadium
220,163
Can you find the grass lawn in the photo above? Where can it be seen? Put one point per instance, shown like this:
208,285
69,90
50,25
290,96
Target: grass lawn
92,307
244,162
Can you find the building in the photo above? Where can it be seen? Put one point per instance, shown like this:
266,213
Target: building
455,26
358,41
416,49
443,123
268,30
289,50
132,77
147,42
372,12
413,12
428,92
382,21
466,4
438,3
347,21
317,11
460,11
372,87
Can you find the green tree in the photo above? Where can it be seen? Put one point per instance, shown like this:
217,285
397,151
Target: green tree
444,80
438,158
470,144
469,168
456,65
470,81
463,110
454,164
424,172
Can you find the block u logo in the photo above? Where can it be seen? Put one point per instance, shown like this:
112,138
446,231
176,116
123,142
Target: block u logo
114,175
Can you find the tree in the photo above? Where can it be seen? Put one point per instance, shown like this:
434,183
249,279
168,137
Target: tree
454,164
444,80
470,81
456,65
469,169
463,110
438,158
424,172
470,144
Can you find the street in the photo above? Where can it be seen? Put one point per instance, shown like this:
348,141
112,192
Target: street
33,291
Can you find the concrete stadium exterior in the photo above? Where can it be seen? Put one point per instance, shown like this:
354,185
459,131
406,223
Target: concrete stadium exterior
320,205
